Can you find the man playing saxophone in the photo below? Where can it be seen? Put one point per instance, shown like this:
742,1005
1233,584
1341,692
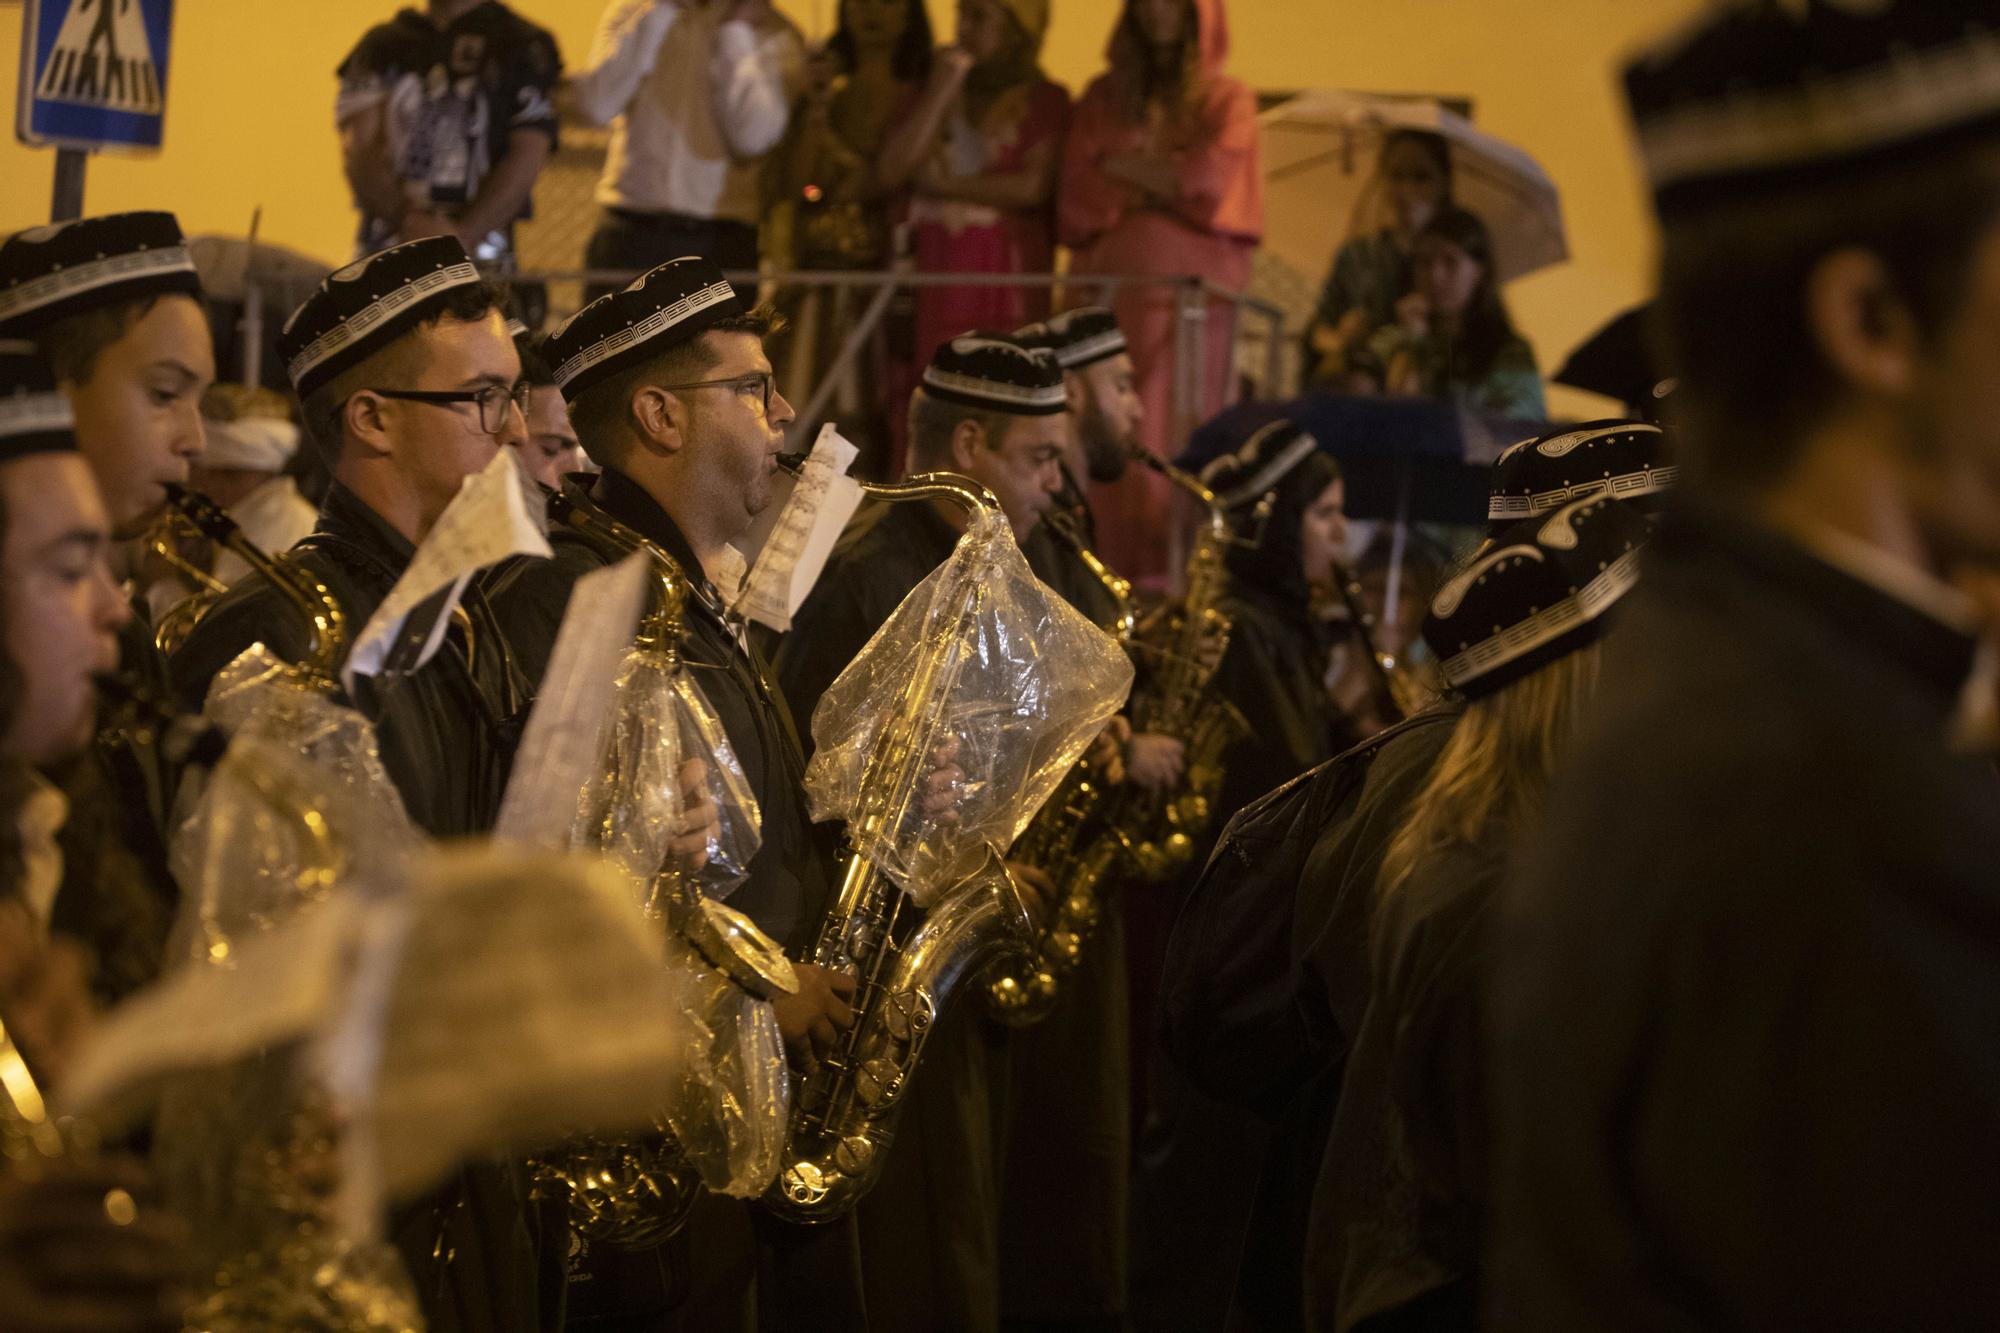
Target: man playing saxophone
992,411
406,407
687,425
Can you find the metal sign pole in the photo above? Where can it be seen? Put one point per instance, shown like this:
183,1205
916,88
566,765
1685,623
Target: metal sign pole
67,203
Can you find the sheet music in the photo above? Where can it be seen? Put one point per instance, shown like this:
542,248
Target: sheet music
565,734
808,525
495,1001
529,999
486,522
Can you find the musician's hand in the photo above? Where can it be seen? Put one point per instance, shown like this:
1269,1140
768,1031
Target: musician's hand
700,822
44,994
1156,762
812,1018
86,1249
1038,893
944,787
1106,755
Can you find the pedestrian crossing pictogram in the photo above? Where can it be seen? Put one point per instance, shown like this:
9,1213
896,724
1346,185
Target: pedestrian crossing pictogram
103,58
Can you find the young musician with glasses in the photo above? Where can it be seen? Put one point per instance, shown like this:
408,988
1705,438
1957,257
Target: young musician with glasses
405,409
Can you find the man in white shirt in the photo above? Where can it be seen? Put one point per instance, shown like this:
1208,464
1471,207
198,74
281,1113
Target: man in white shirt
697,92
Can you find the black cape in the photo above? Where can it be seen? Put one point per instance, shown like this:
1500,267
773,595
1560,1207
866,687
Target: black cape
1193,1203
1266,980
446,733
1745,998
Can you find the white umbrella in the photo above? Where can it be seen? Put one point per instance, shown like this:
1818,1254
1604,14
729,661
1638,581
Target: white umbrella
1319,152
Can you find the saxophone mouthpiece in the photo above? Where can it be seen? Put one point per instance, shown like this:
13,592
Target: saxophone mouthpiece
793,463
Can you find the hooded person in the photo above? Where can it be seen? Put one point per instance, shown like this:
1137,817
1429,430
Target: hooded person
1160,176
1283,496
1399,1208
249,469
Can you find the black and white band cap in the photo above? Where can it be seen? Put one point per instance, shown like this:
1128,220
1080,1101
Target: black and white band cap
1527,602
669,305
1748,90
35,416
1084,336
360,308
1540,459
50,273
997,375
1270,453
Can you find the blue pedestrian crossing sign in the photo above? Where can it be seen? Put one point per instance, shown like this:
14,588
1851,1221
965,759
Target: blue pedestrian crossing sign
94,73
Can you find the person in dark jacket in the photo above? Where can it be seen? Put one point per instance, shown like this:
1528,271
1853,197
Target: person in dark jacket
990,410
686,424
1399,1204
1744,1004
1199,1157
115,306
409,407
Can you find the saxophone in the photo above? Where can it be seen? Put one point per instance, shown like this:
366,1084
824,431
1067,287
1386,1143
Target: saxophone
1184,647
1021,990
635,1192
327,623
908,964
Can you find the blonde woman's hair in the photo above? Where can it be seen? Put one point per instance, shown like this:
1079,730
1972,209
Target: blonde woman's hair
1496,766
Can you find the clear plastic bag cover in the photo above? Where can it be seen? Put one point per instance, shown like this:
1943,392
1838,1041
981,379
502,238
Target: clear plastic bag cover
274,827
629,808
730,1112
980,654
246,1153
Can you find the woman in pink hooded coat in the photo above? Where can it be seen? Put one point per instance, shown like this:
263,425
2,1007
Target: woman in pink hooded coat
1161,175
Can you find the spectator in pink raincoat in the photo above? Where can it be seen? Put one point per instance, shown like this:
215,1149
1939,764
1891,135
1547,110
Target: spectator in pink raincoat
1161,175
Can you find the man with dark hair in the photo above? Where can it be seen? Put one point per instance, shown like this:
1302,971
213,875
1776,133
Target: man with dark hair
687,425
550,452
114,304
1744,1019
446,117
406,408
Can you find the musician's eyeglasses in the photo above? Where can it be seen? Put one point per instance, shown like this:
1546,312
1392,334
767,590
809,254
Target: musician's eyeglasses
758,386
492,401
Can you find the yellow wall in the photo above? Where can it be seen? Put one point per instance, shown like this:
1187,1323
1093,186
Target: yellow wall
251,91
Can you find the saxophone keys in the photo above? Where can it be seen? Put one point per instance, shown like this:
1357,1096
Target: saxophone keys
877,1083
854,1154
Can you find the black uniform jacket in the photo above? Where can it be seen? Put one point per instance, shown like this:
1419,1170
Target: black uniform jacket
1746,999
791,876
446,733
446,730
